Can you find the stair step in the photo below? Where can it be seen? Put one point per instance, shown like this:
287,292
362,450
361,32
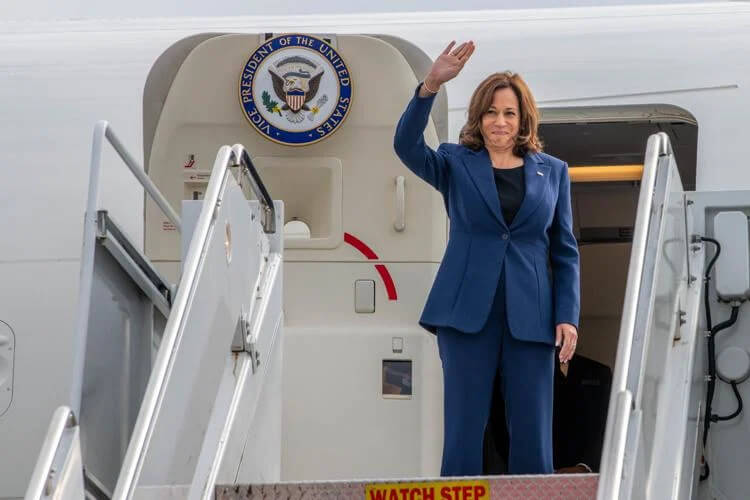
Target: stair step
178,492
558,486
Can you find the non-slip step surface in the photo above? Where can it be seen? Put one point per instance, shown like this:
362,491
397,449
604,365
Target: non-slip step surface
547,487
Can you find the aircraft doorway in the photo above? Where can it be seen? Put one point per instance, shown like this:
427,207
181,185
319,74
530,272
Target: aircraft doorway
341,315
604,148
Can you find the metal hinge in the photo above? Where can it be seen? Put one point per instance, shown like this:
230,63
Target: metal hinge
238,341
254,355
682,316
242,340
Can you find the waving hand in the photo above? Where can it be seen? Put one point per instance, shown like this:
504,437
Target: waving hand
449,64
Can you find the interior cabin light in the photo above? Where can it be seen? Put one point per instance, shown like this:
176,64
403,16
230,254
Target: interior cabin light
606,173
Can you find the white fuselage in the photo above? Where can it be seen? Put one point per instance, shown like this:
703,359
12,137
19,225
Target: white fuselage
58,79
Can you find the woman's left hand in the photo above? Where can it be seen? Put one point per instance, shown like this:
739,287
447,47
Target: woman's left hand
568,335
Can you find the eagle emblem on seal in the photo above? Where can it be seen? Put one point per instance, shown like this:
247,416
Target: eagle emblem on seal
296,81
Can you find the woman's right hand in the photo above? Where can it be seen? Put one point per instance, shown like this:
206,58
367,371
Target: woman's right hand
448,64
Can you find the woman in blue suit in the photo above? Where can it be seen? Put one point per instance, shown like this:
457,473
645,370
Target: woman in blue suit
507,290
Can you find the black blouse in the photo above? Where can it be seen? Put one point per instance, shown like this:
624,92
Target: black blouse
510,190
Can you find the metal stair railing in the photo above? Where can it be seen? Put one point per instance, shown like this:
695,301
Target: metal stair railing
58,472
93,227
629,367
155,392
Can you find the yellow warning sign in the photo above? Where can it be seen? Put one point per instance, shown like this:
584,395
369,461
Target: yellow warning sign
437,490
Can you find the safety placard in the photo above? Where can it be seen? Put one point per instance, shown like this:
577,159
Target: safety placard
437,490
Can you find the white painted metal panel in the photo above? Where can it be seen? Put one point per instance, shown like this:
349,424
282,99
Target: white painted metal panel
203,348
728,447
42,318
122,331
733,269
245,426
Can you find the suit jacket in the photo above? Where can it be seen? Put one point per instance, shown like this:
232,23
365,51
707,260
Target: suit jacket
538,251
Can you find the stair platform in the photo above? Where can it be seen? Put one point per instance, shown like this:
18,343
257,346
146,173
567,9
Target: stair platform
543,487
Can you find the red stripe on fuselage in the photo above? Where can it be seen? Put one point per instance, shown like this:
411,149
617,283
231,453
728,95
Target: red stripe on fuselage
359,245
387,281
390,287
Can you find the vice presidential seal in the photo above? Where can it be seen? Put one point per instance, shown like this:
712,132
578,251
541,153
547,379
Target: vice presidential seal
295,89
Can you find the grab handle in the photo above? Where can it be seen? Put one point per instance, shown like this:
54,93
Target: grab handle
400,223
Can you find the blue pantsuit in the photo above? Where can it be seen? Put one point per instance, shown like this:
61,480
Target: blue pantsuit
498,293
471,363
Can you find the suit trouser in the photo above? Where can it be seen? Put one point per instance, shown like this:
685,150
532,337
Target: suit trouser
472,363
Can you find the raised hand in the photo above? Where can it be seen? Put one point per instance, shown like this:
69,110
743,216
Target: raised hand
449,64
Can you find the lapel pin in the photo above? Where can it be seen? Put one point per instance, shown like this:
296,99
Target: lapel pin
539,173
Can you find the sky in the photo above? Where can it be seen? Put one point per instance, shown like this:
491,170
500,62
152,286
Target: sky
14,10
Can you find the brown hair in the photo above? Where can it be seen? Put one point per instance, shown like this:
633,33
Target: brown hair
481,100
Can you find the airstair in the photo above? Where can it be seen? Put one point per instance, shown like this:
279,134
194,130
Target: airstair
178,390
170,394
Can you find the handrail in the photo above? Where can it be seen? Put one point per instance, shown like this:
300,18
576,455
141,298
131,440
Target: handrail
154,394
613,453
654,149
611,471
103,131
139,173
248,170
62,419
